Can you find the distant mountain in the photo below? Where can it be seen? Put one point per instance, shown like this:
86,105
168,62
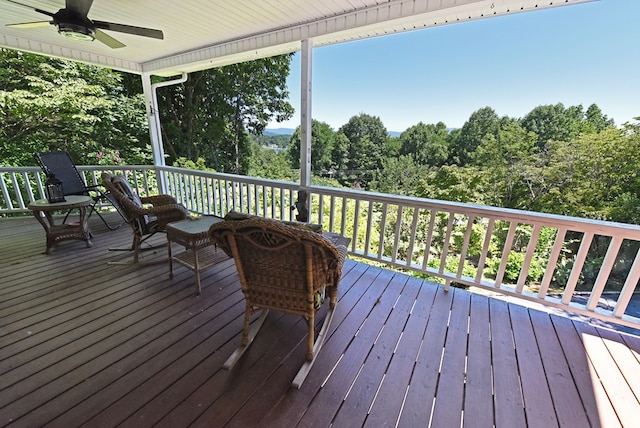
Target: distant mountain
289,131
279,131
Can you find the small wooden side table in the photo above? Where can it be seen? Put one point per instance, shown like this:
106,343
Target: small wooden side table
43,209
200,252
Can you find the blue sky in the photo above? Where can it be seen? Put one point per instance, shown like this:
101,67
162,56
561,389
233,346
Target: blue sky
580,54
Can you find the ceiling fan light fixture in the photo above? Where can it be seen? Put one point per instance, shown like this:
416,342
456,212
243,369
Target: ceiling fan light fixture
72,22
77,32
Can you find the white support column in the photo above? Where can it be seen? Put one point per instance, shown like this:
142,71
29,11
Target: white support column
305,113
155,131
154,120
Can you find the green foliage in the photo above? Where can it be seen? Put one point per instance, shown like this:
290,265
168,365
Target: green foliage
587,276
481,123
476,239
49,104
213,112
367,140
515,260
272,141
451,265
400,176
108,157
592,176
554,122
427,144
199,164
268,163
505,159
322,145
557,123
454,183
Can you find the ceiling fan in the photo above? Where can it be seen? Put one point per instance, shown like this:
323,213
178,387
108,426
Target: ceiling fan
72,22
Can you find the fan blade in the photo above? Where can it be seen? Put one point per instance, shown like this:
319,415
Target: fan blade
80,6
129,29
30,24
108,40
44,12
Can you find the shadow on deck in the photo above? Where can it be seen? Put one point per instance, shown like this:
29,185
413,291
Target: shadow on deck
87,343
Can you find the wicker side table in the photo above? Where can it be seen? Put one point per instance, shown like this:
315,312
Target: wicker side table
43,209
200,252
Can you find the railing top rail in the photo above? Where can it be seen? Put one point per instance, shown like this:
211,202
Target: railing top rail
525,217
80,167
600,227
230,177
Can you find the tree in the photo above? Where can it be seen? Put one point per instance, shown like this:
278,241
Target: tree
400,176
426,143
481,123
596,120
51,104
454,183
271,140
322,144
367,138
211,113
340,154
505,159
607,177
269,163
554,122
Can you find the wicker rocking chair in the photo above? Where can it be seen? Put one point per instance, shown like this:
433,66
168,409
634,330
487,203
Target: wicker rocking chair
145,215
284,268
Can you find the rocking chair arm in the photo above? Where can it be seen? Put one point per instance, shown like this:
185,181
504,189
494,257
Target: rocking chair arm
157,200
335,269
167,213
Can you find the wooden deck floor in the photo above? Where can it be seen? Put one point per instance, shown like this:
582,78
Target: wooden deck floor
84,343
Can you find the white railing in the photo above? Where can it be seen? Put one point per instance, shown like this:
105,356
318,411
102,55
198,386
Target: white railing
557,261
22,185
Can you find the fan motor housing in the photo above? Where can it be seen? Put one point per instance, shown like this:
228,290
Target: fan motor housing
76,31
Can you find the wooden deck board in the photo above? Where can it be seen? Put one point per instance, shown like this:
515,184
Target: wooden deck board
565,394
509,409
447,409
423,383
327,401
360,396
538,403
139,383
625,360
390,398
624,402
86,343
292,407
479,380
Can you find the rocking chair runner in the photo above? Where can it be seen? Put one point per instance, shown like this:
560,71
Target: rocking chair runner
281,267
146,215
62,166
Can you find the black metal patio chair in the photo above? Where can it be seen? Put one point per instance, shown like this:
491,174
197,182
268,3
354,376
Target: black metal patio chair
60,164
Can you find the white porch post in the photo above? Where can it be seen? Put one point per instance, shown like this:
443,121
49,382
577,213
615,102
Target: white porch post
154,120
155,132
305,113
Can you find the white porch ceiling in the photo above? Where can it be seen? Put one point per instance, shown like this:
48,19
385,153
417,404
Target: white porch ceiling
200,34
